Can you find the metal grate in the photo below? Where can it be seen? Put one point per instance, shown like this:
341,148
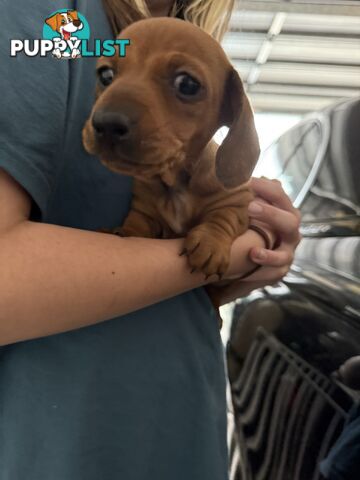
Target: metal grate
287,414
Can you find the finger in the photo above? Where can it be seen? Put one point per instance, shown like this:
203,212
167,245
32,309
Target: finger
272,191
281,221
272,258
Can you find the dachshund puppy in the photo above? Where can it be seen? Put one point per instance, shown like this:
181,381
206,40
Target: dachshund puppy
155,114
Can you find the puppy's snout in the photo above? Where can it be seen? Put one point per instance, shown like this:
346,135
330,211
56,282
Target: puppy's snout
117,125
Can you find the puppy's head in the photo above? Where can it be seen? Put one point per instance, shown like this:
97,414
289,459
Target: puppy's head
158,107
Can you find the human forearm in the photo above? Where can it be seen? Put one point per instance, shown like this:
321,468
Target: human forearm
54,279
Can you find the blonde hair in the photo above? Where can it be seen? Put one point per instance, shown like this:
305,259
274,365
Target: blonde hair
212,16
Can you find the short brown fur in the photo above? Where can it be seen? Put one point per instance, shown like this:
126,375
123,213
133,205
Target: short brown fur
184,185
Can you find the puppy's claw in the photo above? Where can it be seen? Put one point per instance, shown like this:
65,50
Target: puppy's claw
196,246
183,252
207,261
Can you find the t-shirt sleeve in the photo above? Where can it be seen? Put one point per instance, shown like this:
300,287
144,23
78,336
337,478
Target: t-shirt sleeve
33,103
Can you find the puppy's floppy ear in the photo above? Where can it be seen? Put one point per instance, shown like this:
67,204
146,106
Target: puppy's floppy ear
53,21
239,152
74,17
73,14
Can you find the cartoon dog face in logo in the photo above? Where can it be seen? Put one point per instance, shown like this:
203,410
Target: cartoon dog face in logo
66,24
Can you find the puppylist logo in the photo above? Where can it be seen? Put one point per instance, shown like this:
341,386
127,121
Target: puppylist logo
66,35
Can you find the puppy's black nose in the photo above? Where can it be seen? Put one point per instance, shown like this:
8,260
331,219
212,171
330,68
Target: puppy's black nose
113,124
77,23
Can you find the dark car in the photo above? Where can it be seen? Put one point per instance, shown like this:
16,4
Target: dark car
294,390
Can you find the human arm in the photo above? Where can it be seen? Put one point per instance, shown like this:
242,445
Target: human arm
55,279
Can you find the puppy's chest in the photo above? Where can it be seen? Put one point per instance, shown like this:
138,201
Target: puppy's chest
177,210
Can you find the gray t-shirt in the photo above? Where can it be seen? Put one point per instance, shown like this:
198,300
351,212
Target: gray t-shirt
139,397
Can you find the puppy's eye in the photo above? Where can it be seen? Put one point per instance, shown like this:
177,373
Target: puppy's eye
63,21
105,75
186,85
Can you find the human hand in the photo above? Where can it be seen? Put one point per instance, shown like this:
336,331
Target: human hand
273,208
280,221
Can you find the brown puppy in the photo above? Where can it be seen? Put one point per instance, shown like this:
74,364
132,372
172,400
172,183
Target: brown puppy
156,112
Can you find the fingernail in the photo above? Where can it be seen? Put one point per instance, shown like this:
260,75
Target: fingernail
255,208
260,254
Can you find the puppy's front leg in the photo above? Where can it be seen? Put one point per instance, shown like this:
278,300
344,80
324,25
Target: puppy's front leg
208,245
137,224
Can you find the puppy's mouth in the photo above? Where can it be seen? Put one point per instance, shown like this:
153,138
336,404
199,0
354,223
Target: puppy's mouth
66,35
141,165
141,155
145,157
69,29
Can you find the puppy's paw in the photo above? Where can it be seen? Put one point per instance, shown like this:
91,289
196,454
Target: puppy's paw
207,252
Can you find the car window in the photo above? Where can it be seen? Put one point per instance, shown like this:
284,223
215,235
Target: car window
291,158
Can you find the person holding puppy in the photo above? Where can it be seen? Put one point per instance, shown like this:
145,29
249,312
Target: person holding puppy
111,363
